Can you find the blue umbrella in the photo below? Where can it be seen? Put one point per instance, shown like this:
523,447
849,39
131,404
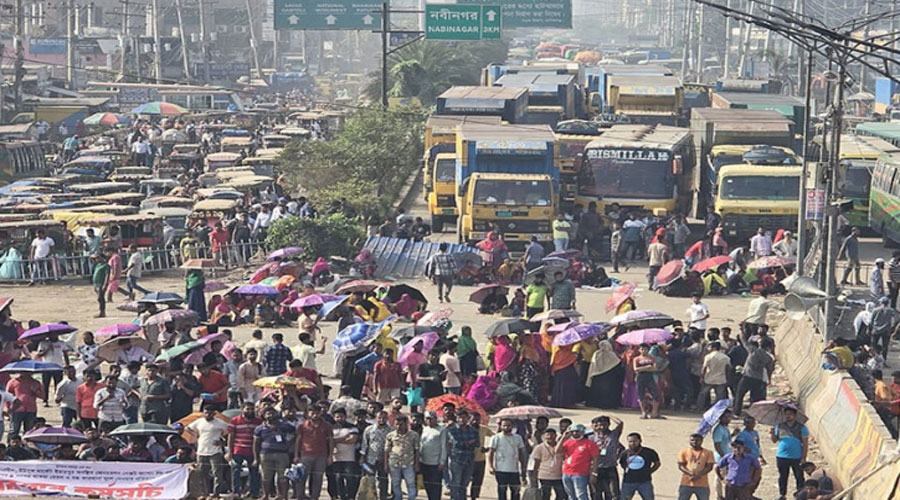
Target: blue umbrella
30,366
161,298
331,306
710,418
355,336
367,362
255,290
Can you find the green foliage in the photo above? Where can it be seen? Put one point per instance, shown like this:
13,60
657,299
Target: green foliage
331,235
360,193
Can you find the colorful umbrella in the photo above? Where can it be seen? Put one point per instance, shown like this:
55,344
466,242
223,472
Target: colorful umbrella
363,286
484,291
772,412
772,261
30,366
647,336
331,305
188,420
179,350
284,253
161,298
173,315
143,429
308,301
642,318
395,292
670,272
214,286
710,418
432,318
204,264
428,341
255,290
508,326
711,263
45,330
159,108
555,314
437,405
356,336
55,435
110,349
527,412
564,254
130,306
576,333
107,119
117,330
279,381
561,327
619,296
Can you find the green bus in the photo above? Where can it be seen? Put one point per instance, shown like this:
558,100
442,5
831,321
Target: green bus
884,198
889,131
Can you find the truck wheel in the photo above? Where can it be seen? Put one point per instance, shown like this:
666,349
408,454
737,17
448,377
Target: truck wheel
437,224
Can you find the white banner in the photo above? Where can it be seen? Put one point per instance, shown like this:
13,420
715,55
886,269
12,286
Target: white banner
103,479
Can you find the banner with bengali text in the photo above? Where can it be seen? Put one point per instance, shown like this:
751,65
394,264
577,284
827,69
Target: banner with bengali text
94,479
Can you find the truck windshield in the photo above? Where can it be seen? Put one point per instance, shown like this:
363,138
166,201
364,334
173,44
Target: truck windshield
760,187
627,178
726,159
859,178
445,171
512,192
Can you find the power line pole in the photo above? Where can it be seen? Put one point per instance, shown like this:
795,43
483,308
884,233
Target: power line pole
204,54
385,26
802,237
125,41
726,64
19,65
862,67
700,55
70,43
253,43
185,59
157,43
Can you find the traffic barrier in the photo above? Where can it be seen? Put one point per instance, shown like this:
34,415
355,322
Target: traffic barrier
847,428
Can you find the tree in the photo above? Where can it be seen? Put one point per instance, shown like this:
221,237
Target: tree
331,235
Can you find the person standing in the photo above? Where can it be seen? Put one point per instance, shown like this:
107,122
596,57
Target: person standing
792,438
607,441
454,377
240,449
695,464
876,280
507,459
581,456
52,350
273,443
884,323
388,378
155,396
714,375
23,411
248,372
639,463
548,466
401,455
632,236
786,247
277,356
343,473
115,274
893,275
761,244
110,403
615,246
756,373
658,255
210,461
432,455
463,440
65,397
100,279
84,396
680,232
536,296
231,370
756,313
534,253
562,293
430,376
561,229
371,451
40,249
306,351
314,449
698,313
850,250
740,472
134,271
441,269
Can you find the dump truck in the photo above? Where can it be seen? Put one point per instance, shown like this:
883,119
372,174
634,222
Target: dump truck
598,77
789,106
509,103
507,179
649,100
551,97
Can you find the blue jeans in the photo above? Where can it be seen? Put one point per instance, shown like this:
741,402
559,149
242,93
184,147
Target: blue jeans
132,285
576,486
460,476
645,490
131,414
68,416
560,243
400,474
685,492
21,419
237,463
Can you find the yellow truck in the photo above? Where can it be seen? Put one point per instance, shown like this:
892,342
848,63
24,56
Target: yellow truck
750,196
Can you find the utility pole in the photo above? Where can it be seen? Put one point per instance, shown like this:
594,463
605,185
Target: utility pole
19,65
186,61
125,40
700,55
801,220
726,64
70,43
253,42
204,55
862,67
687,39
834,193
275,52
385,26
157,43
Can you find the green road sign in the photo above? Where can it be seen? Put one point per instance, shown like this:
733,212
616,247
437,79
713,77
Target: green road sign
518,14
462,22
327,14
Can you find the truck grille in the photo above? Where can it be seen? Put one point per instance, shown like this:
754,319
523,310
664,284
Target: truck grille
514,225
446,200
747,223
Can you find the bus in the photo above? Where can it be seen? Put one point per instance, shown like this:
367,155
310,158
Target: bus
857,155
889,131
19,160
884,198
647,168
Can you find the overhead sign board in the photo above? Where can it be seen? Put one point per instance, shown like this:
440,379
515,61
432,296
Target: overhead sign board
327,14
462,22
519,14
47,45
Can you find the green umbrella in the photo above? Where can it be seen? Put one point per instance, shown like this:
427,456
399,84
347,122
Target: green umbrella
232,412
179,350
143,429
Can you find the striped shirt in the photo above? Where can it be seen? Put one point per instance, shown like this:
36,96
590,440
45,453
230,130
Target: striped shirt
242,430
441,264
113,410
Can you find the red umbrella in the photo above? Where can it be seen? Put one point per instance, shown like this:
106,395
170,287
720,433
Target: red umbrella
711,263
527,412
483,291
619,296
437,404
669,272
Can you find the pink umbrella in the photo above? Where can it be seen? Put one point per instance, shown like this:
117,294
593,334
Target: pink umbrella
648,336
619,297
559,327
711,263
263,272
116,330
428,341
433,317
526,412
308,301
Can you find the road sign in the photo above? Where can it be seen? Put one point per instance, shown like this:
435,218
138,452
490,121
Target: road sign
462,22
327,14
518,14
815,204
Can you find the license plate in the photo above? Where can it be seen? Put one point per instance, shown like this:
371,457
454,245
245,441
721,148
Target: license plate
447,211
504,214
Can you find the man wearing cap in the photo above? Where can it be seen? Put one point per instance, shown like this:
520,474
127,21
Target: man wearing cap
739,471
581,455
876,280
884,322
432,455
787,246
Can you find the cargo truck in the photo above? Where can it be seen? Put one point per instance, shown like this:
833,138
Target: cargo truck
551,97
507,180
789,106
648,100
509,103
722,136
598,77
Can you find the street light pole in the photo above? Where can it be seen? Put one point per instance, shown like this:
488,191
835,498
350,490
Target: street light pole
834,193
385,26
801,220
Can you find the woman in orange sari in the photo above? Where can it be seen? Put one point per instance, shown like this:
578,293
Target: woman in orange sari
564,392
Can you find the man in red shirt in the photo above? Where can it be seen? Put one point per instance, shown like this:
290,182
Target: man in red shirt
297,370
215,385
240,449
218,238
24,410
580,460
313,449
388,378
84,399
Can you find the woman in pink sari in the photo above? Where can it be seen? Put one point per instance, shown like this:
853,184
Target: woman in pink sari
629,387
504,354
482,392
406,306
412,361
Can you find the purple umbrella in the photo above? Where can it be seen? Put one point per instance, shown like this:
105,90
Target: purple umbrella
308,301
642,318
560,327
256,290
428,341
576,333
55,435
648,336
117,330
44,330
284,253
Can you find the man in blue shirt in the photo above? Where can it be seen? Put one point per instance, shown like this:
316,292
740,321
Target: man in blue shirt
721,435
462,439
739,471
793,444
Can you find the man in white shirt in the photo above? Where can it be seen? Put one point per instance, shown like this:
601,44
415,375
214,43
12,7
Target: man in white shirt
306,352
261,224
786,247
110,402
65,397
761,244
52,350
133,271
41,246
756,313
453,382
714,376
128,353
208,431
698,313
507,460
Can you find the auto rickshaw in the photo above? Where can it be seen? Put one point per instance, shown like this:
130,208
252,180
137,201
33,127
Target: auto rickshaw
143,230
157,187
275,140
261,165
216,161
19,234
236,144
175,217
167,202
100,188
